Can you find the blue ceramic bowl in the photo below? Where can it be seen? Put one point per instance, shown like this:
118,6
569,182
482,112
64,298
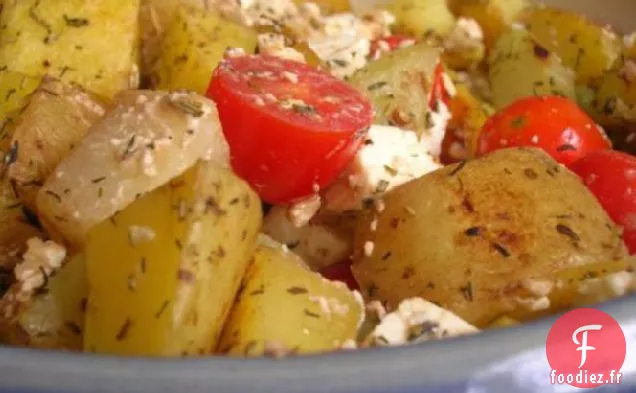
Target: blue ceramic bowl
507,361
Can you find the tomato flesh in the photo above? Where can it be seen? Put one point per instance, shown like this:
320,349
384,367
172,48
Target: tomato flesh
341,272
291,128
611,176
555,124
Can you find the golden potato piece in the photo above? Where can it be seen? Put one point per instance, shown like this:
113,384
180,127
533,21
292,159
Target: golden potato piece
398,84
495,16
92,43
53,318
148,139
587,48
194,45
422,18
55,120
470,236
520,67
163,273
285,308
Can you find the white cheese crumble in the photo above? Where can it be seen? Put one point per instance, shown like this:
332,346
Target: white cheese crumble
39,262
140,234
300,213
273,44
319,245
417,320
467,34
609,286
390,157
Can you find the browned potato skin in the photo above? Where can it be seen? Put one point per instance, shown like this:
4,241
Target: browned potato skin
468,235
55,120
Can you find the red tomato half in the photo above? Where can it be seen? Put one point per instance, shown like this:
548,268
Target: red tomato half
611,176
341,272
291,128
438,91
555,124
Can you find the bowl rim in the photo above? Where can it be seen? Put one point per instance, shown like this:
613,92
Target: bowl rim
409,368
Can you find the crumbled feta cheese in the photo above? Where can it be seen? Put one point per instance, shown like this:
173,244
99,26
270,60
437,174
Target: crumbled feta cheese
234,52
389,158
349,345
417,320
609,286
300,213
319,244
535,304
140,234
467,34
538,287
39,262
273,44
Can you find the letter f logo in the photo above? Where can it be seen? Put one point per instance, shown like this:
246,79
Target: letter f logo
583,344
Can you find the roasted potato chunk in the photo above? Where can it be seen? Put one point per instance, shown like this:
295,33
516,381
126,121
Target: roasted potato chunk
422,18
587,48
194,45
149,138
53,317
15,90
398,84
285,308
469,114
16,227
500,221
92,43
181,252
495,16
55,120
520,67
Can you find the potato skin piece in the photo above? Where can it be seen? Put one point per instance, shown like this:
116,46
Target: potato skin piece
519,66
55,120
170,295
468,236
51,319
398,84
145,141
283,305
193,46
587,48
92,43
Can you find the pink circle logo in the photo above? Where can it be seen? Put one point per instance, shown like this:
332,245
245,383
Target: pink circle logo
586,348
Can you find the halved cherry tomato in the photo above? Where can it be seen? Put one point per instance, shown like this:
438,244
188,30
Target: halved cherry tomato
341,271
388,44
555,124
611,176
438,90
291,128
